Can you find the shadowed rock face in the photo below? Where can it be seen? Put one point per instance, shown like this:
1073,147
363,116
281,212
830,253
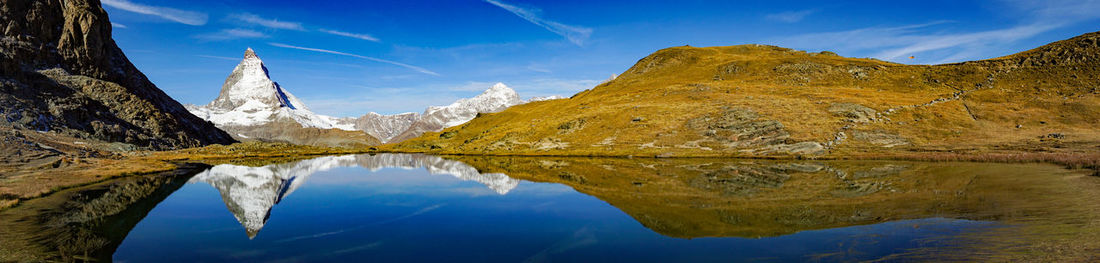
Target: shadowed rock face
386,127
61,71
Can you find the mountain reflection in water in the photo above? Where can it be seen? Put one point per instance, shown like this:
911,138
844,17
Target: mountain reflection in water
251,192
685,198
341,208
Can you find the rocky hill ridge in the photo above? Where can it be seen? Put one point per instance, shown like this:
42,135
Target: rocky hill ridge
758,100
61,72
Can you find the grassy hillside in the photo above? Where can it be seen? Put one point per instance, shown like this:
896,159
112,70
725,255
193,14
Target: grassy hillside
755,100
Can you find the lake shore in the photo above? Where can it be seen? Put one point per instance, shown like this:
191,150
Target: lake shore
694,194
48,179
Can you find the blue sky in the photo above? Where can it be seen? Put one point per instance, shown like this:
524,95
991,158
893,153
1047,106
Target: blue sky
346,58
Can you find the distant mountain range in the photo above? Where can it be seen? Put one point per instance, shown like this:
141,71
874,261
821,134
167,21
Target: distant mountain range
253,107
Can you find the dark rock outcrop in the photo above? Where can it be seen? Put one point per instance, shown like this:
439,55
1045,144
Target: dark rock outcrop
60,71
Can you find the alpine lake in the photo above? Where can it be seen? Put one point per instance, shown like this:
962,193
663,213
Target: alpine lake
416,208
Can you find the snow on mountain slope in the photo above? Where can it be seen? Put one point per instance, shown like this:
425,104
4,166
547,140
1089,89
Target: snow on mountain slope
385,127
252,106
498,182
544,98
436,118
495,99
251,192
250,98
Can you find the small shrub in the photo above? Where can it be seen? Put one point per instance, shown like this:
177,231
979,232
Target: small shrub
448,134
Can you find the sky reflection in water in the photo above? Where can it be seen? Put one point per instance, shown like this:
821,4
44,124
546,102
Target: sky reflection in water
425,208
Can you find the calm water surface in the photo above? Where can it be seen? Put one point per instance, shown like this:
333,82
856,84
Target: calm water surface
396,207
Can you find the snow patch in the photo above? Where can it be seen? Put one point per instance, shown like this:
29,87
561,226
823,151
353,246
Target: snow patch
249,98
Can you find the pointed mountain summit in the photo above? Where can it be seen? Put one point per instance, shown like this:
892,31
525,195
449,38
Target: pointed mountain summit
249,97
251,106
495,99
250,81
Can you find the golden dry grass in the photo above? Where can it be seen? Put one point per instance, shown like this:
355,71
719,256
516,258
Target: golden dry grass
984,106
33,183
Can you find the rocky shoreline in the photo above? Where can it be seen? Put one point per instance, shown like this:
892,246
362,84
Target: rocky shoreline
85,223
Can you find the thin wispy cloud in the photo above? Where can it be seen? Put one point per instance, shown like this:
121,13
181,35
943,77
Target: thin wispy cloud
537,68
386,99
970,42
418,69
895,43
265,22
533,87
117,25
929,44
351,35
219,57
233,33
473,86
1057,9
790,16
575,34
172,14
377,100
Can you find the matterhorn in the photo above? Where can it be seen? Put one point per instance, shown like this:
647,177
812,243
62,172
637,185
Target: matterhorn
253,107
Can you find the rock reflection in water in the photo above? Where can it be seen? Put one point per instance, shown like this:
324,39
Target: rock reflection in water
691,198
251,192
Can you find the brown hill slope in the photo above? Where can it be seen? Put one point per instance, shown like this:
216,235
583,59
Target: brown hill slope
71,101
61,72
754,100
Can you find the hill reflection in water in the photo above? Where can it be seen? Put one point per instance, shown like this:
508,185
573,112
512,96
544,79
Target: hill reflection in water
405,207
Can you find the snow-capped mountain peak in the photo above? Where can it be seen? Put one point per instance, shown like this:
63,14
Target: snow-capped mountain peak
253,106
249,53
250,81
544,98
249,97
495,99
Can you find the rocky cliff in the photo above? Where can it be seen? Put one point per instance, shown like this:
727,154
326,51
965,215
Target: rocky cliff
61,72
386,127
